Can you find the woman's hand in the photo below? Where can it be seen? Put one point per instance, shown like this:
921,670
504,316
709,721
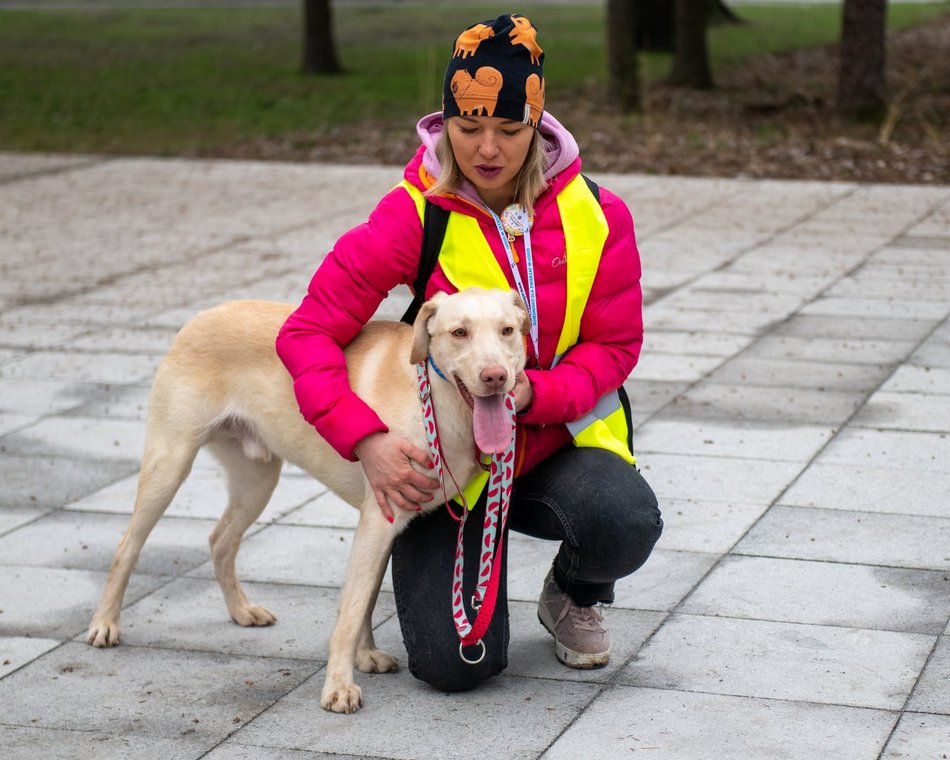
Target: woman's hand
524,393
387,461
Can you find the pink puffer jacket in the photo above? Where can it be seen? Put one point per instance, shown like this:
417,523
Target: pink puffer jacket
370,260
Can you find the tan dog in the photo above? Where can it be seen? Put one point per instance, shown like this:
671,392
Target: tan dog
223,386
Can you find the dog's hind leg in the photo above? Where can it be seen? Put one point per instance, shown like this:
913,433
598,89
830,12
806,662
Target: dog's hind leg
251,482
166,463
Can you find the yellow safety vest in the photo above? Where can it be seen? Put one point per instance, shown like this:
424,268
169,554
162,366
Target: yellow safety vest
468,261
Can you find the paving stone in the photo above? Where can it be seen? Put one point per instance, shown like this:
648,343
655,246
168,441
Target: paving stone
12,518
86,368
872,488
649,396
327,510
888,449
190,613
798,373
836,350
707,527
841,326
773,660
876,307
684,343
50,482
725,438
919,737
204,495
381,728
28,743
905,411
10,423
672,725
913,379
824,593
146,692
675,367
82,438
18,651
716,478
52,602
43,396
87,541
857,537
711,400
931,694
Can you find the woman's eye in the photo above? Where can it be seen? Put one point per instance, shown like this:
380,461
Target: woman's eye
512,133
459,332
467,130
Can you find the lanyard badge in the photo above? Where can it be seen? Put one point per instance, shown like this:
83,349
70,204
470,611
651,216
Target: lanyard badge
515,221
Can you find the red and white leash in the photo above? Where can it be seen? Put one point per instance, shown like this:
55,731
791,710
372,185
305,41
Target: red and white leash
499,495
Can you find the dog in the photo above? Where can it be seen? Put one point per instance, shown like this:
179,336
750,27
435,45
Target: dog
223,386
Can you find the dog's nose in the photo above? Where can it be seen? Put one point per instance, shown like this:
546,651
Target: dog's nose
494,377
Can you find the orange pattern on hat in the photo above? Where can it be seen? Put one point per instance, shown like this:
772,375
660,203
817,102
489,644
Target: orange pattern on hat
525,34
469,40
534,96
472,94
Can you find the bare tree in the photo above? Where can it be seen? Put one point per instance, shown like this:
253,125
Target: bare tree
861,73
623,84
690,52
319,51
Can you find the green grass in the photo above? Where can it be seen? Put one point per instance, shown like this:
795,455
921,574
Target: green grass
178,80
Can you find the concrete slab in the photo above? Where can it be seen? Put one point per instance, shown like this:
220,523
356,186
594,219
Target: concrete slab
818,664
671,725
919,737
801,373
865,538
50,482
931,694
905,411
710,527
849,596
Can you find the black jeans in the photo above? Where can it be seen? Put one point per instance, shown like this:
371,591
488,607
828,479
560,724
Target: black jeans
599,507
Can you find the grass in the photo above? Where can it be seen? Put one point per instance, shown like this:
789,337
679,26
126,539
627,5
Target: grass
174,81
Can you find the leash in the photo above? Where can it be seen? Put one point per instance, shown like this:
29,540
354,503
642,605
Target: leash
499,495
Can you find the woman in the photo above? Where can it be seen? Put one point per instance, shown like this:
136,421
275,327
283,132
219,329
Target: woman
520,215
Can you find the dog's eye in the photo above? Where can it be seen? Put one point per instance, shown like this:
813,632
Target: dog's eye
507,330
459,332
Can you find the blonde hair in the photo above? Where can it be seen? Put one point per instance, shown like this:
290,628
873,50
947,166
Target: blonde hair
530,181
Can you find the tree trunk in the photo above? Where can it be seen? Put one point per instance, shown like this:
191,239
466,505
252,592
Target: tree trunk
861,73
656,22
623,85
690,54
319,52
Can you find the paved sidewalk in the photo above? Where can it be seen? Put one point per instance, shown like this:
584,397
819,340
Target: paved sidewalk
793,410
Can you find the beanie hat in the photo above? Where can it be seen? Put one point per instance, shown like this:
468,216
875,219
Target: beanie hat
495,70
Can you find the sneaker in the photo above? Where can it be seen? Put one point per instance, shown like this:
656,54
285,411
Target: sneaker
580,639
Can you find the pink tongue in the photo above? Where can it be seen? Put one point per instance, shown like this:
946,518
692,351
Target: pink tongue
492,424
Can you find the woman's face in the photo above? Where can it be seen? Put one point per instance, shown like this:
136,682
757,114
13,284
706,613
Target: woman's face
490,152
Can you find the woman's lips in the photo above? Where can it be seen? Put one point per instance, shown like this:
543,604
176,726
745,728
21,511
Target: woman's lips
488,172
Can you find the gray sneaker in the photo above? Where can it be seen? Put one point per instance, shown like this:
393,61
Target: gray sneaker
580,639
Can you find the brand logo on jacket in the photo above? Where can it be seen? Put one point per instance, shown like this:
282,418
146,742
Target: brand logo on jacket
559,261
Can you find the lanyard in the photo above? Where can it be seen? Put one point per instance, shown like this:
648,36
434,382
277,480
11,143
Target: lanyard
526,296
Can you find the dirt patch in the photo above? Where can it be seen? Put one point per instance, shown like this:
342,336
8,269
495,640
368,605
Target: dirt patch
773,117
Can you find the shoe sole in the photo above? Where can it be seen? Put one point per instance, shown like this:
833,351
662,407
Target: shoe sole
570,658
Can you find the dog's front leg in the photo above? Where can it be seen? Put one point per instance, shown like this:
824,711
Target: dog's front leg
372,545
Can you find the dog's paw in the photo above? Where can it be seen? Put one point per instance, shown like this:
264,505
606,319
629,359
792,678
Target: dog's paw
376,661
345,698
103,634
252,614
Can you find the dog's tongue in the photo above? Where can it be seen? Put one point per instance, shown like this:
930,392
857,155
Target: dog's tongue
492,424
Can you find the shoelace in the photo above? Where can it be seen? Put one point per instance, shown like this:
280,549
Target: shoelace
584,618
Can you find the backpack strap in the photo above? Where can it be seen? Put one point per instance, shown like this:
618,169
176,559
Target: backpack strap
434,223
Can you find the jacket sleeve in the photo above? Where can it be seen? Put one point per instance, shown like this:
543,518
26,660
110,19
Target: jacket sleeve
354,278
611,331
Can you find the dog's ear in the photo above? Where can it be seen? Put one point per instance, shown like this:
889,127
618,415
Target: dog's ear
523,308
420,328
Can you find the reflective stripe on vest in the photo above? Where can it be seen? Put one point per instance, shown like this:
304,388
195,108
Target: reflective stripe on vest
467,260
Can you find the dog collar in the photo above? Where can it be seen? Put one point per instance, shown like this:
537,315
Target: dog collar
436,368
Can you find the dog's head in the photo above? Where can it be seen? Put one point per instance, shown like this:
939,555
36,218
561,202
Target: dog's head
476,339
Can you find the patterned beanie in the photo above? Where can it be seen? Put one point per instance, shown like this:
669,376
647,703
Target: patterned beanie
495,70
